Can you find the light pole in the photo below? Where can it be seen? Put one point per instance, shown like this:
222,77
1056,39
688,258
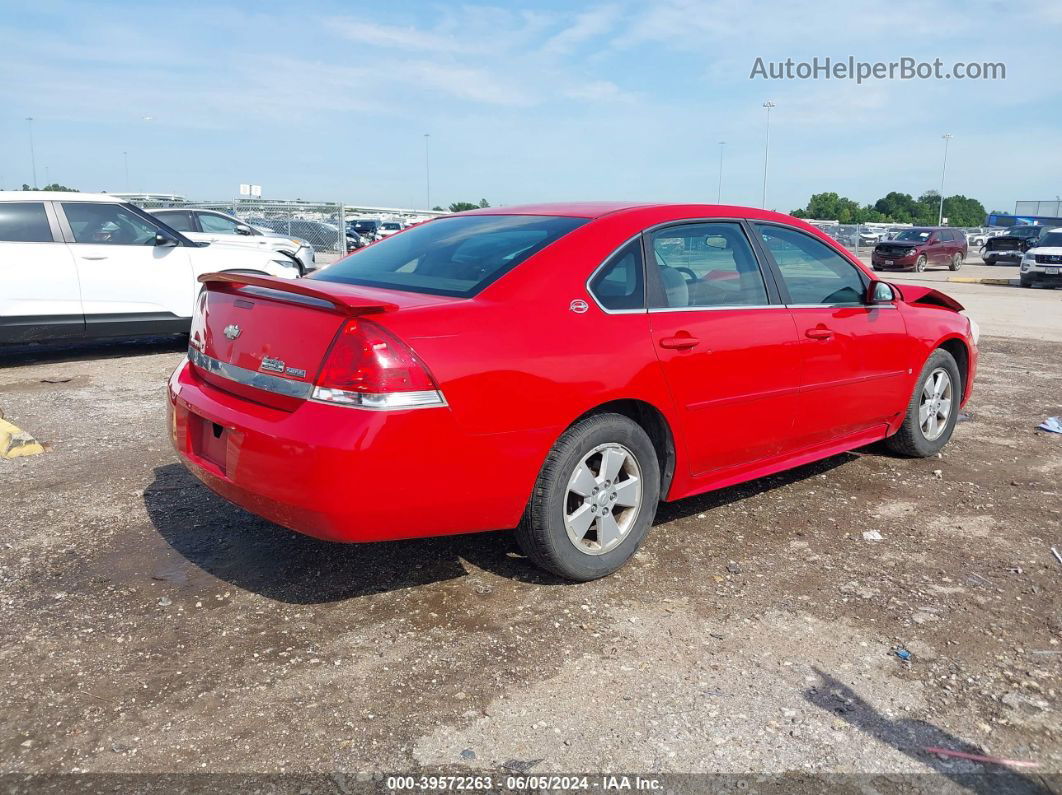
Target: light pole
943,171
427,172
125,160
719,192
33,154
766,151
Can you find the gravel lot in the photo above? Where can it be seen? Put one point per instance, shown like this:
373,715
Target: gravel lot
148,626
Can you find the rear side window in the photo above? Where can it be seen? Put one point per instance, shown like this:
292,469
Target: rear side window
709,265
24,222
619,285
451,256
180,220
813,273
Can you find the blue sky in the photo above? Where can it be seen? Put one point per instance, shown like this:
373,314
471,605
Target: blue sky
532,101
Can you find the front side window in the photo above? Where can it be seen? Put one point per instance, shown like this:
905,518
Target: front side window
456,256
217,223
108,224
619,285
707,264
813,273
24,222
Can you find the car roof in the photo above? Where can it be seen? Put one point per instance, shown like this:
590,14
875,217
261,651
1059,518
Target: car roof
600,209
55,195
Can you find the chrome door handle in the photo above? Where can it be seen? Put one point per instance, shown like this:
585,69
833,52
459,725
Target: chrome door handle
94,258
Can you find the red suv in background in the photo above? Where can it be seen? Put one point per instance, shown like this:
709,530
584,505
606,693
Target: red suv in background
921,246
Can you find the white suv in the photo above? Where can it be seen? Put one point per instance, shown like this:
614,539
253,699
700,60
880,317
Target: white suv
212,226
1043,264
88,265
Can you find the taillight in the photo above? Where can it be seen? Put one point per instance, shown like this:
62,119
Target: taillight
368,367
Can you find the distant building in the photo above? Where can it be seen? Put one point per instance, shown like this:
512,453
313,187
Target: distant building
154,198
1029,213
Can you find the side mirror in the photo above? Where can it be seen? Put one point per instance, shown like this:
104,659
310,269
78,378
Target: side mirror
163,239
880,293
243,229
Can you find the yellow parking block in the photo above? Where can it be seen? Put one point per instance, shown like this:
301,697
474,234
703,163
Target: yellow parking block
979,280
15,442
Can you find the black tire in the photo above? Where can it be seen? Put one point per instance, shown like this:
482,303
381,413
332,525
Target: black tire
920,263
542,534
956,261
877,267
909,439
1026,281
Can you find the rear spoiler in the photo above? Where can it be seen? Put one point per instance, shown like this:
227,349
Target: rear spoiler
343,304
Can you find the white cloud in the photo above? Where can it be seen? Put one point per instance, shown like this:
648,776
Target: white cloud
586,26
395,37
598,91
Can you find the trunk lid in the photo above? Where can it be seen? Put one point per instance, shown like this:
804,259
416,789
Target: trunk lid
265,339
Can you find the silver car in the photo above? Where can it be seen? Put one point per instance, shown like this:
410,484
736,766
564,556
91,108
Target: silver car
216,226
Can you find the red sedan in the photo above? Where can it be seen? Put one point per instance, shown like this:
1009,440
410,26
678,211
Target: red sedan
559,369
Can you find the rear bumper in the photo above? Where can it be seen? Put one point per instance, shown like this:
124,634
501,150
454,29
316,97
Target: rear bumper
1002,256
345,474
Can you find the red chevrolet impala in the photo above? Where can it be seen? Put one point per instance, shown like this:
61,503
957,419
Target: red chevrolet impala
559,369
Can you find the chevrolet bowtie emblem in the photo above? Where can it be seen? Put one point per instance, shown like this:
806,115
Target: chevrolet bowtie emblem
232,332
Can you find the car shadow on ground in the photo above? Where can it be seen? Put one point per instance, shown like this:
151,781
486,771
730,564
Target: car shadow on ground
77,350
913,737
257,555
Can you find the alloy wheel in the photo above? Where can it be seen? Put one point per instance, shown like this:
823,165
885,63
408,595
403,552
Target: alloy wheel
603,499
935,404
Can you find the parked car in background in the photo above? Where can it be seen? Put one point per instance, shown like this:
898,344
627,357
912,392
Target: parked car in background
560,368
1042,264
319,234
388,228
868,237
215,226
369,228
1010,248
919,247
89,265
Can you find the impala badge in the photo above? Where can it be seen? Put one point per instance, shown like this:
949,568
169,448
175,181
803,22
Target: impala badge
578,306
272,365
232,331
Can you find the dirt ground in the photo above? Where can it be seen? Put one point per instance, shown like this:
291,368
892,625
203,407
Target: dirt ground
148,626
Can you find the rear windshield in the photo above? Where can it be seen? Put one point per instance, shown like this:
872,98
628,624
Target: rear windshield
451,256
1025,231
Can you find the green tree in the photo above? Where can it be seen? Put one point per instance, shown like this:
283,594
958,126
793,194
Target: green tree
483,203
437,208
53,186
832,206
897,207
460,207
964,211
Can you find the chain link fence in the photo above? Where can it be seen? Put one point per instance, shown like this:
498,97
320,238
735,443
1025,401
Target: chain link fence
327,226
861,239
